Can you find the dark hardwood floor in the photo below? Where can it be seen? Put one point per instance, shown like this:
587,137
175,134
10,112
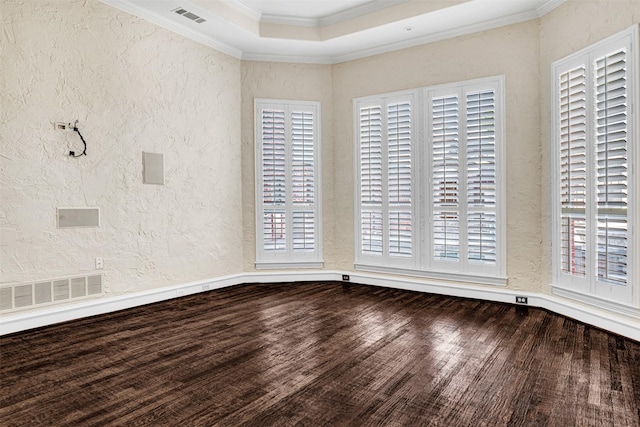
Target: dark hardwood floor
320,354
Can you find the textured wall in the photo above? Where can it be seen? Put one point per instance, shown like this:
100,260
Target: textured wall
512,51
305,82
571,27
134,87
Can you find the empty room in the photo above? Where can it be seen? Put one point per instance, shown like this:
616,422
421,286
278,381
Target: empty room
320,212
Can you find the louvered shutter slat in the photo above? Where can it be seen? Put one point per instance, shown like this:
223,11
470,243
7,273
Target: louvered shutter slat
481,177
303,230
371,231
611,166
445,176
303,158
399,118
273,157
370,128
573,178
274,230
273,179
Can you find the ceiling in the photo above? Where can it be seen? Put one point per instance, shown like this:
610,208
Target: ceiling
327,31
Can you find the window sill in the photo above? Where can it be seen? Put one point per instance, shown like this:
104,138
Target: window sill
286,265
457,277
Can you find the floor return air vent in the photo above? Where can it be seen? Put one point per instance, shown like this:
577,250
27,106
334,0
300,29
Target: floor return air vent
54,291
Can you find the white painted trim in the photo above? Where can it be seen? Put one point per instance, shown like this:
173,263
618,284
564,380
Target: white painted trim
442,35
243,8
548,7
170,25
194,35
295,59
336,18
293,276
429,38
438,275
626,326
63,313
296,21
357,11
595,301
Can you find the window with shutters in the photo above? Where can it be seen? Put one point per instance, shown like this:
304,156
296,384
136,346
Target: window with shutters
594,124
429,200
385,129
287,184
463,138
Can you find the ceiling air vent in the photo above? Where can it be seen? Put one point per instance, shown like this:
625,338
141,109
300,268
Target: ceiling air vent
187,14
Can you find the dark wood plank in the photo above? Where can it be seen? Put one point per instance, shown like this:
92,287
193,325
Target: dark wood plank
310,354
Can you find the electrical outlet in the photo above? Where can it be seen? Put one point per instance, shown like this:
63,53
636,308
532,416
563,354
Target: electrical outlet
345,277
521,300
180,292
99,263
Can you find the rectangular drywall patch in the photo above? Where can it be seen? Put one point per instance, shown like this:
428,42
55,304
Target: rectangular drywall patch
153,168
78,217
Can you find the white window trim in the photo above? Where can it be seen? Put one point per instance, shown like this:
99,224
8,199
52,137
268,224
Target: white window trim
585,292
422,264
288,258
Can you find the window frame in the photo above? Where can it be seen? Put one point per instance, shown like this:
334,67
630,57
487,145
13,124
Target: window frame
288,258
589,288
423,264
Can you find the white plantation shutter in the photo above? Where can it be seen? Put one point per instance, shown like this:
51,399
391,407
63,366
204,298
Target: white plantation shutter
573,174
384,129
273,179
445,177
287,141
429,197
303,180
463,141
370,140
594,126
611,166
481,176
399,178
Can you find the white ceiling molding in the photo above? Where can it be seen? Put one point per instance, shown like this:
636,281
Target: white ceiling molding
456,32
234,28
243,8
332,19
173,26
548,7
357,11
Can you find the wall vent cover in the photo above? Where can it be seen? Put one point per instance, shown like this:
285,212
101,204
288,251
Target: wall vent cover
46,292
189,15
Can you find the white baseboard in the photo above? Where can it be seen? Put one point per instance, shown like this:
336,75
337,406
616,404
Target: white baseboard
622,325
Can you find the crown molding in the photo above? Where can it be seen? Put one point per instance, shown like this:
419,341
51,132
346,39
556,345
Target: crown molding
194,35
443,35
243,8
323,21
548,7
297,59
173,26
357,11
